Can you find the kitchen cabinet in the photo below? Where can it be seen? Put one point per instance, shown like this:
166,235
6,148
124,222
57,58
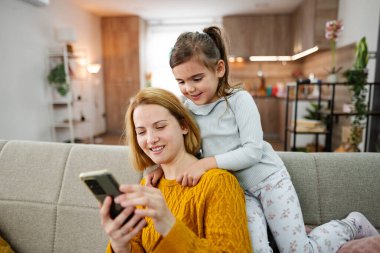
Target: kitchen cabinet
309,21
281,34
270,118
259,35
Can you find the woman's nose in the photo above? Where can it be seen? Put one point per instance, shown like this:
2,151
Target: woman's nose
152,138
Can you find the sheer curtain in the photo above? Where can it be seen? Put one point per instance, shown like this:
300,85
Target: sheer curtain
161,37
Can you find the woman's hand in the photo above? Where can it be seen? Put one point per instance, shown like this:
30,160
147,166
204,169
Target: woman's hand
153,203
119,233
153,177
192,175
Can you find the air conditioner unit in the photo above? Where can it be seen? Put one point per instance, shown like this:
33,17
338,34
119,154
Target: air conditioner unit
38,2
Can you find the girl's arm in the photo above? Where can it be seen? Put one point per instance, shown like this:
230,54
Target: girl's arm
251,134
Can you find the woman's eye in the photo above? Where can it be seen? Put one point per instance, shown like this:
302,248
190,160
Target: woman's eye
161,127
181,82
140,132
197,79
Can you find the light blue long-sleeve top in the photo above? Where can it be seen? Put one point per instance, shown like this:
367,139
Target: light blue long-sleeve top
233,135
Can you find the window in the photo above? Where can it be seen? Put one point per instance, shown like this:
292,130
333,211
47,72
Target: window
161,38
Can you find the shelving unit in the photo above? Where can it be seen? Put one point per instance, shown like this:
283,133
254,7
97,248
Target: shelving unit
331,113
66,122
62,111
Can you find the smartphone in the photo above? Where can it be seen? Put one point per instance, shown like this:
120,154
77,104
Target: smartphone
102,184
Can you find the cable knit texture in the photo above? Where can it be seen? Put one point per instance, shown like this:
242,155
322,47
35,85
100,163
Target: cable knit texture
4,246
210,217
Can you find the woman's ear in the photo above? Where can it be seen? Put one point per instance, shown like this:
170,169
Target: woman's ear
184,128
220,68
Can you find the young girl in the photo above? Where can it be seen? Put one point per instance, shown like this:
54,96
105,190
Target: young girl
232,138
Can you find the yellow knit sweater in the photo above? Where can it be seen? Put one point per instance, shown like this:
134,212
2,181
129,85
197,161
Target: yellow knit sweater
210,217
4,246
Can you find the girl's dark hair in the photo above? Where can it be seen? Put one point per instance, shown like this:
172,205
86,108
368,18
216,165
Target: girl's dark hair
207,47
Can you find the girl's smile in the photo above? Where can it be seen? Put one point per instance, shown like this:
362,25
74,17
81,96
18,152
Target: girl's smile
197,82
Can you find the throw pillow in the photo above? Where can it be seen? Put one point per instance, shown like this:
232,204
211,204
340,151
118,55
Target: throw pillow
364,245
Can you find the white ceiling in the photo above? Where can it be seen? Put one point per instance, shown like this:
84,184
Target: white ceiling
186,9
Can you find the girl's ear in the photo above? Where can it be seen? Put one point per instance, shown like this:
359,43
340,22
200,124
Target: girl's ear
220,68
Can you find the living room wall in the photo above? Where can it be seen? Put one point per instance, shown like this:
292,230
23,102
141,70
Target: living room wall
26,34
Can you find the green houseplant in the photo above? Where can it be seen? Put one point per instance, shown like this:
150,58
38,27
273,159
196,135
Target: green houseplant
57,79
357,78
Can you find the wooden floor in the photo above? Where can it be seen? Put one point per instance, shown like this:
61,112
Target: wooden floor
112,139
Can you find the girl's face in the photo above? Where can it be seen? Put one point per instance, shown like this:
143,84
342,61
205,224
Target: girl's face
197,82
159,134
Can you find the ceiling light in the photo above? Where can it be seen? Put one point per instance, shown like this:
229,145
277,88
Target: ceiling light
304,53
284,58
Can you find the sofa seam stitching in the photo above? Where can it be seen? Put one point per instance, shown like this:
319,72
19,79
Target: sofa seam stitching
46,203
318,189
58,197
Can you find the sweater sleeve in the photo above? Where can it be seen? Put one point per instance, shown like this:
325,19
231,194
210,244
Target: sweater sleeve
251,135
224,222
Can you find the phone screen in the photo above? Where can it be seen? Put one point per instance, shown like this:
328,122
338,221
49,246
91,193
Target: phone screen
103,184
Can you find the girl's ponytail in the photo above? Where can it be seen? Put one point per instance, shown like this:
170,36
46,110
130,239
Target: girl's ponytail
219,39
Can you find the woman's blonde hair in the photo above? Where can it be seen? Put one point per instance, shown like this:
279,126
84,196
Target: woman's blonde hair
164,98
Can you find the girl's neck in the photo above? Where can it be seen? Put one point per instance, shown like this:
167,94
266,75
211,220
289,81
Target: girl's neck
178,165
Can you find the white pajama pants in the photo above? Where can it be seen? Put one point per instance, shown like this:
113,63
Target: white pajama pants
274,201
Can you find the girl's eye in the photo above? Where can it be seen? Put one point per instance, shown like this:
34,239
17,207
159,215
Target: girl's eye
197,79
160,127
181,82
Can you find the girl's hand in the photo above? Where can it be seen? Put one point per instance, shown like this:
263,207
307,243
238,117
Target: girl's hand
193,174
119,233
153,203
152,178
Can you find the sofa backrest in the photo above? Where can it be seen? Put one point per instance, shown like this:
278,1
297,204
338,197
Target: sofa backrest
330,185
44,206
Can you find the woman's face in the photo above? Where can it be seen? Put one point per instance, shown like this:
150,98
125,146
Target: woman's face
158,133
198,83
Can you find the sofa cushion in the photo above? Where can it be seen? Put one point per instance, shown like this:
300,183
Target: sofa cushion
348,182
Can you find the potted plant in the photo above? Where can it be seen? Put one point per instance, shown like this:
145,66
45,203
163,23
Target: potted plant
57,79
357,78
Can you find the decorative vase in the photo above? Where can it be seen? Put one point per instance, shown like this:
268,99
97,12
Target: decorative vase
332,78
58,98
352,136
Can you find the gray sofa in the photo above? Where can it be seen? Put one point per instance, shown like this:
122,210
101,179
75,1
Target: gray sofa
44,207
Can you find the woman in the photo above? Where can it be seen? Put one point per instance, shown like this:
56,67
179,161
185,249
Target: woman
209,217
